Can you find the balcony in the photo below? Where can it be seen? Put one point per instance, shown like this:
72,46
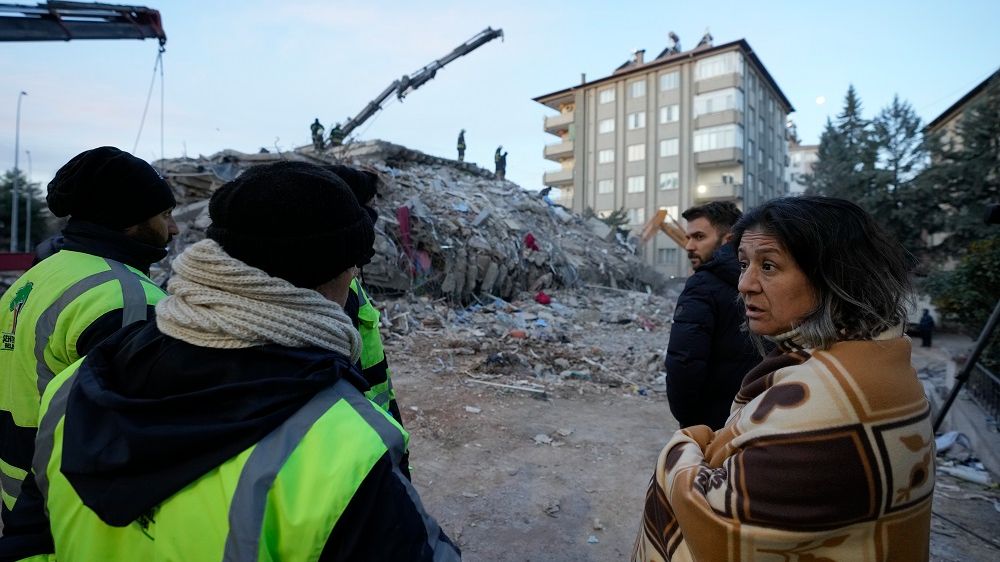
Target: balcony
557,124
558,177
719,157
559,151
725,117
718,191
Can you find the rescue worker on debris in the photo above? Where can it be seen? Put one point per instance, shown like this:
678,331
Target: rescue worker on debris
317,131
461,145
235,427
501,163
92,282
336,135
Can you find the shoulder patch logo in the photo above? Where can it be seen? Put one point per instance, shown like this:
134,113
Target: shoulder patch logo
20,297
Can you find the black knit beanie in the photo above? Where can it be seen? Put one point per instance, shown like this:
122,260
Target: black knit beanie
293,220
109,187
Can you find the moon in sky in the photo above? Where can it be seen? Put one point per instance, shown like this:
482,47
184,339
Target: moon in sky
820,100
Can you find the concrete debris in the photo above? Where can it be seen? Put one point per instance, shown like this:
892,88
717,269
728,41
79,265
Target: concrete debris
521,345
445,229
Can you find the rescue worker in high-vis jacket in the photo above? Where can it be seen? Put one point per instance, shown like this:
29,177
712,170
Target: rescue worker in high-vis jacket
120,223
235,426
364,314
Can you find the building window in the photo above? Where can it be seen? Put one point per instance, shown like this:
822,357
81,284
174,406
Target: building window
605,156
672,211
636,120
724,136
637,89
606,126
669,180
669,147
636,215
770,164
636,152
719,100
751,121
670,81
636,184
606,95
666,256
750,148
670,113
605,186
749,183
726,63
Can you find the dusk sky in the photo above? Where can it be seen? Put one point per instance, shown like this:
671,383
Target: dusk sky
249,74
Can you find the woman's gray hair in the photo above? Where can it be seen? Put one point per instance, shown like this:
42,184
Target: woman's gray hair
859,273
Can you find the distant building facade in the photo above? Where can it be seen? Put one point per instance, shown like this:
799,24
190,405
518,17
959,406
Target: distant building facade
946,124
801,159
683,129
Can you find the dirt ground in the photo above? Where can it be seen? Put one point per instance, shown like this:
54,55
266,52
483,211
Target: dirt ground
516,475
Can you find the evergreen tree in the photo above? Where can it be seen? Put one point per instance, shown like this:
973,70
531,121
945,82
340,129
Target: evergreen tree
39,211
965,174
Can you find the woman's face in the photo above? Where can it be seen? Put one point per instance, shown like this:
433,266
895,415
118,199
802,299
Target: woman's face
776,292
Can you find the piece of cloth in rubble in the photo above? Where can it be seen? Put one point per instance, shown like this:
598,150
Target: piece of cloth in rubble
828,454
709,351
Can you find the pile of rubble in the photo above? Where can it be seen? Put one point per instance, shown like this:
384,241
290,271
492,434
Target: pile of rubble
445,229
588,341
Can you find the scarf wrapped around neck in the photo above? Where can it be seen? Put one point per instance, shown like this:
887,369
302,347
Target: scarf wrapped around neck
215,300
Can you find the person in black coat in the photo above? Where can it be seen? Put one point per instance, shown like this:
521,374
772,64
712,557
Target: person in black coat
709,352
926,327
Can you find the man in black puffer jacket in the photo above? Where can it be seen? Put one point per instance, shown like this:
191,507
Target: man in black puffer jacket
709,352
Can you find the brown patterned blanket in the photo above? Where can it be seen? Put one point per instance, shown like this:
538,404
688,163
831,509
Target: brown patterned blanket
828,455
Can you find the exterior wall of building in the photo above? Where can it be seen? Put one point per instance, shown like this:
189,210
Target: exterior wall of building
801,158
705,136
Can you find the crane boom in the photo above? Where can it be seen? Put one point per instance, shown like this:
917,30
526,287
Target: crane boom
62,21
408,83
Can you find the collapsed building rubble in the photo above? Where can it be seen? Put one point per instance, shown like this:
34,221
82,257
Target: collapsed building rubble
445,229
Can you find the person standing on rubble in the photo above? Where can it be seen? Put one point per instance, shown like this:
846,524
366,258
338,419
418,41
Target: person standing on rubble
336,135
708,353
91,281
501,163
317,131
235,427
461,145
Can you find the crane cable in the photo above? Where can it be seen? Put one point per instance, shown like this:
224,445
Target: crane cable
149,95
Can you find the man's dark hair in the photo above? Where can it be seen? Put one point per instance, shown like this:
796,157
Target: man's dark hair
720,214
859,273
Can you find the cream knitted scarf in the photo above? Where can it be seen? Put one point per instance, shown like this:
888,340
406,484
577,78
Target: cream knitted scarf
217,301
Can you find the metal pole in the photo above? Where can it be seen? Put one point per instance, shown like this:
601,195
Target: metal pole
13,191
984,339
29,195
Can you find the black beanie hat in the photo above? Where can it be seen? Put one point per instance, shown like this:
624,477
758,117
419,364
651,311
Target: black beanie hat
293,220
363,183
109,187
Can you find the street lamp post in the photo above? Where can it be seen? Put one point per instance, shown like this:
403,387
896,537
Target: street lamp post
13,191
29,195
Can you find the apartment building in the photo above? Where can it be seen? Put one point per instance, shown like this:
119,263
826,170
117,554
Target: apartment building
683,129
801,159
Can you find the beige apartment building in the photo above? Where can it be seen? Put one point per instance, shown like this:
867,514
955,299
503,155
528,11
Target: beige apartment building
683,129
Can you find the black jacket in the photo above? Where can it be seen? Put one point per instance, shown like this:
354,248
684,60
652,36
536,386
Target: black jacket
709,353
149,414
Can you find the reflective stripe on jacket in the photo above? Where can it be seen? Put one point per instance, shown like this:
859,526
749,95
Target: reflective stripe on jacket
374,365
279,499
42,317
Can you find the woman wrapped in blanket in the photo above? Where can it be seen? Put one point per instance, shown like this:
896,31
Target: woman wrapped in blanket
828,453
